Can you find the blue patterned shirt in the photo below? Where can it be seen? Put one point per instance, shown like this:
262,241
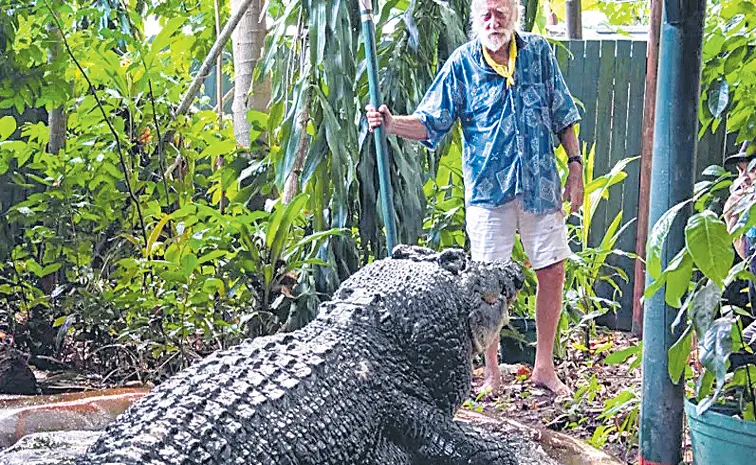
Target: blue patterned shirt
507,132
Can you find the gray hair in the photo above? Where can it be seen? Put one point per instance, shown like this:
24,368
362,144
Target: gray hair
515,5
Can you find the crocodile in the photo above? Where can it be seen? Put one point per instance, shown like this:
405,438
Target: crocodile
375,378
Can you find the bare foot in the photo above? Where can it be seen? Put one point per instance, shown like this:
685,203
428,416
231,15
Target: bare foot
552,383
491,384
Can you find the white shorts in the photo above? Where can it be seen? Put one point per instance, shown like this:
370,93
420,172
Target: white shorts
492,234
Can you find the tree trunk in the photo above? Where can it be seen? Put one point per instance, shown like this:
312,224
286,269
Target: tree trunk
248,40
56,119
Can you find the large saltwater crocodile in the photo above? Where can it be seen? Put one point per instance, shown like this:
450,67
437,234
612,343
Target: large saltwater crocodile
374,379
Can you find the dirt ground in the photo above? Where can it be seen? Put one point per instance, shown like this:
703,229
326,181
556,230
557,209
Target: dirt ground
612,389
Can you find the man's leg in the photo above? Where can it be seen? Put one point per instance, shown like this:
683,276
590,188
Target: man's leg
548,308
492,236
491,373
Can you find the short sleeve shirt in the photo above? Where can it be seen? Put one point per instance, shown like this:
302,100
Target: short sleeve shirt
508,148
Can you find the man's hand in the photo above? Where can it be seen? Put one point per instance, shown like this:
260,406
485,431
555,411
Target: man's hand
379,117
573,190
732,210
729,212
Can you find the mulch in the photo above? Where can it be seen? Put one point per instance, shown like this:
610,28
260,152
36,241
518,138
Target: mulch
584,370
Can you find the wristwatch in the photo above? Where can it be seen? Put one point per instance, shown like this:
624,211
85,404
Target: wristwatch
576,158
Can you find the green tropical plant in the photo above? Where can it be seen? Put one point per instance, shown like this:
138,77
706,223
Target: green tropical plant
693,281
590,267
444,224
728,80
315,58
128,239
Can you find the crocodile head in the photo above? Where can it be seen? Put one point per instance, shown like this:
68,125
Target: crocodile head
435,310
488,289
492,287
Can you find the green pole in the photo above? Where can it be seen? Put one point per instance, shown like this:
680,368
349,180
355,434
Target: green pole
381,149
672,179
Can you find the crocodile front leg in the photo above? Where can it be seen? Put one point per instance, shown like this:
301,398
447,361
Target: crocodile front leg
389,453
432,438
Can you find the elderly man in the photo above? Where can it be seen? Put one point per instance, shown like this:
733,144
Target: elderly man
510,97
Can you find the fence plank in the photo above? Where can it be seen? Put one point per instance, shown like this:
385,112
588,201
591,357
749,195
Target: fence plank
574,77
712,148
605,101
619,120
624,315
589,94
633,143
616,153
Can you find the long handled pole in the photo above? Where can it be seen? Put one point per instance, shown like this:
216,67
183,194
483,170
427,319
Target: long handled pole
672,180
381,150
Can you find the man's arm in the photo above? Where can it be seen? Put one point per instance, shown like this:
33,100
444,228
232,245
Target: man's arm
573,190
569,141
406,126
731,219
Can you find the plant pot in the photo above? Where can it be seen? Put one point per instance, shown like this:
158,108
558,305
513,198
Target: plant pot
719,439
517,342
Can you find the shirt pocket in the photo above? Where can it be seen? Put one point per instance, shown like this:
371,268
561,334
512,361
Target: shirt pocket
536,108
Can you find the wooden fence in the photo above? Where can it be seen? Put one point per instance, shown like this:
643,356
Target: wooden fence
607,77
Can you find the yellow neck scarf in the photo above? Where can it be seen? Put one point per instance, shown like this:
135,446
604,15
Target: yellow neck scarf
505,71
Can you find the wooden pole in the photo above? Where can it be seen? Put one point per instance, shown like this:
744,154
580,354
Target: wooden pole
574,19
647,146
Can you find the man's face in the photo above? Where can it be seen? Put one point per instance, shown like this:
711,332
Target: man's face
493,21
745,177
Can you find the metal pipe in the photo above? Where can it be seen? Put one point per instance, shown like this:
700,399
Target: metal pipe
672,180
647,146
381,149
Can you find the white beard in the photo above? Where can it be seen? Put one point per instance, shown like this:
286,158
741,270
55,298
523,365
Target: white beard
494,42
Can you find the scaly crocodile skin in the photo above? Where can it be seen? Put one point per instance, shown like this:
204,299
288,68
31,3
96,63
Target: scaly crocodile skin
374,379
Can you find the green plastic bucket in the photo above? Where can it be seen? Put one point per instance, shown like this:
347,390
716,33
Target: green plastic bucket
719,439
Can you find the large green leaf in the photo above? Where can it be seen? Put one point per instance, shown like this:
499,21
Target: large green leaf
715,349
7,127
657,238
719,96
708,242
703,307
188,264
620,356
280,226
679,273
678,355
